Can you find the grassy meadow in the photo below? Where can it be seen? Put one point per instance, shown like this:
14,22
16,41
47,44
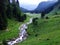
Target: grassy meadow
46,32
12,30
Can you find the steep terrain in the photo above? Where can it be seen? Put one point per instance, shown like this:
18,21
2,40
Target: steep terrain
46,32
56,9
43,6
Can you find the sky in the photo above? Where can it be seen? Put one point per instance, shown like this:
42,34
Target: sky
31,4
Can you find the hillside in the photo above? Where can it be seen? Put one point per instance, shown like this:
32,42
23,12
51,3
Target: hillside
23,9
56,8
12,30
44,5
46,32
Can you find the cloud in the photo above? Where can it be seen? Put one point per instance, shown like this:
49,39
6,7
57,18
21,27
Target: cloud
33,1
30,1
27,3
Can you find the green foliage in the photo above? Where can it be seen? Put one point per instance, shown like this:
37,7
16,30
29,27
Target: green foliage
15,12
11,11
42,14
45,25
3,22
24,16
17,3
47,31
34,21
12,30
3,19
4,42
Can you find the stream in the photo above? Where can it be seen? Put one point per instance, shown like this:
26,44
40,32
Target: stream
22,34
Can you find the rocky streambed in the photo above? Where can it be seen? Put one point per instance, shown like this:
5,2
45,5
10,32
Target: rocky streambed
22,34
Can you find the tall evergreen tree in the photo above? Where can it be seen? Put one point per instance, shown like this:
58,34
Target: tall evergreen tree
16,11
17,3
13,2
9,12
3,20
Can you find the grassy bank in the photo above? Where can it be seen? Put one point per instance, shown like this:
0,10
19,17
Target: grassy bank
12,30
46,32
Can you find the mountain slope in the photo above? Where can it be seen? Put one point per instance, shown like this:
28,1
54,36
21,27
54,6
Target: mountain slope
45,33
56,8
23,9
44,6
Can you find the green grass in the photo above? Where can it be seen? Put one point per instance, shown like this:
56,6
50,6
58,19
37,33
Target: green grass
33,15
47,30
12,30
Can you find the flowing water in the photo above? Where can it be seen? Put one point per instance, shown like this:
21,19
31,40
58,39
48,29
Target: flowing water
22,34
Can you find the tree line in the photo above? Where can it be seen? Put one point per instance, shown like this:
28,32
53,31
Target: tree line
10,10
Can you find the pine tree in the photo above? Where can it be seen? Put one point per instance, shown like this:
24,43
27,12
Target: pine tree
9,10
17,3
3,19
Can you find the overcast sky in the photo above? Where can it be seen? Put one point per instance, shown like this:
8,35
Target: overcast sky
33,3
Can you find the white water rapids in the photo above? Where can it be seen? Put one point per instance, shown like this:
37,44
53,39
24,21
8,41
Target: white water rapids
22,34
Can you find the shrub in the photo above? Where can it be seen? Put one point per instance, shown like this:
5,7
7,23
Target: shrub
56,13
24,16
34,21
47,17
36,35
42,14
4,42
20,19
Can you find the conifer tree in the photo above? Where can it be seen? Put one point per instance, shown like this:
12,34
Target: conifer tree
3,19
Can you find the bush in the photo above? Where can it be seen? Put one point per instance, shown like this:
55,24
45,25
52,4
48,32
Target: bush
56,13
47,17
34,21
4,42
24,16
42,14
36,35
20,19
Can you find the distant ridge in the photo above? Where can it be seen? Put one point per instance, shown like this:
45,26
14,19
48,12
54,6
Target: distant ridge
43,6
23,9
